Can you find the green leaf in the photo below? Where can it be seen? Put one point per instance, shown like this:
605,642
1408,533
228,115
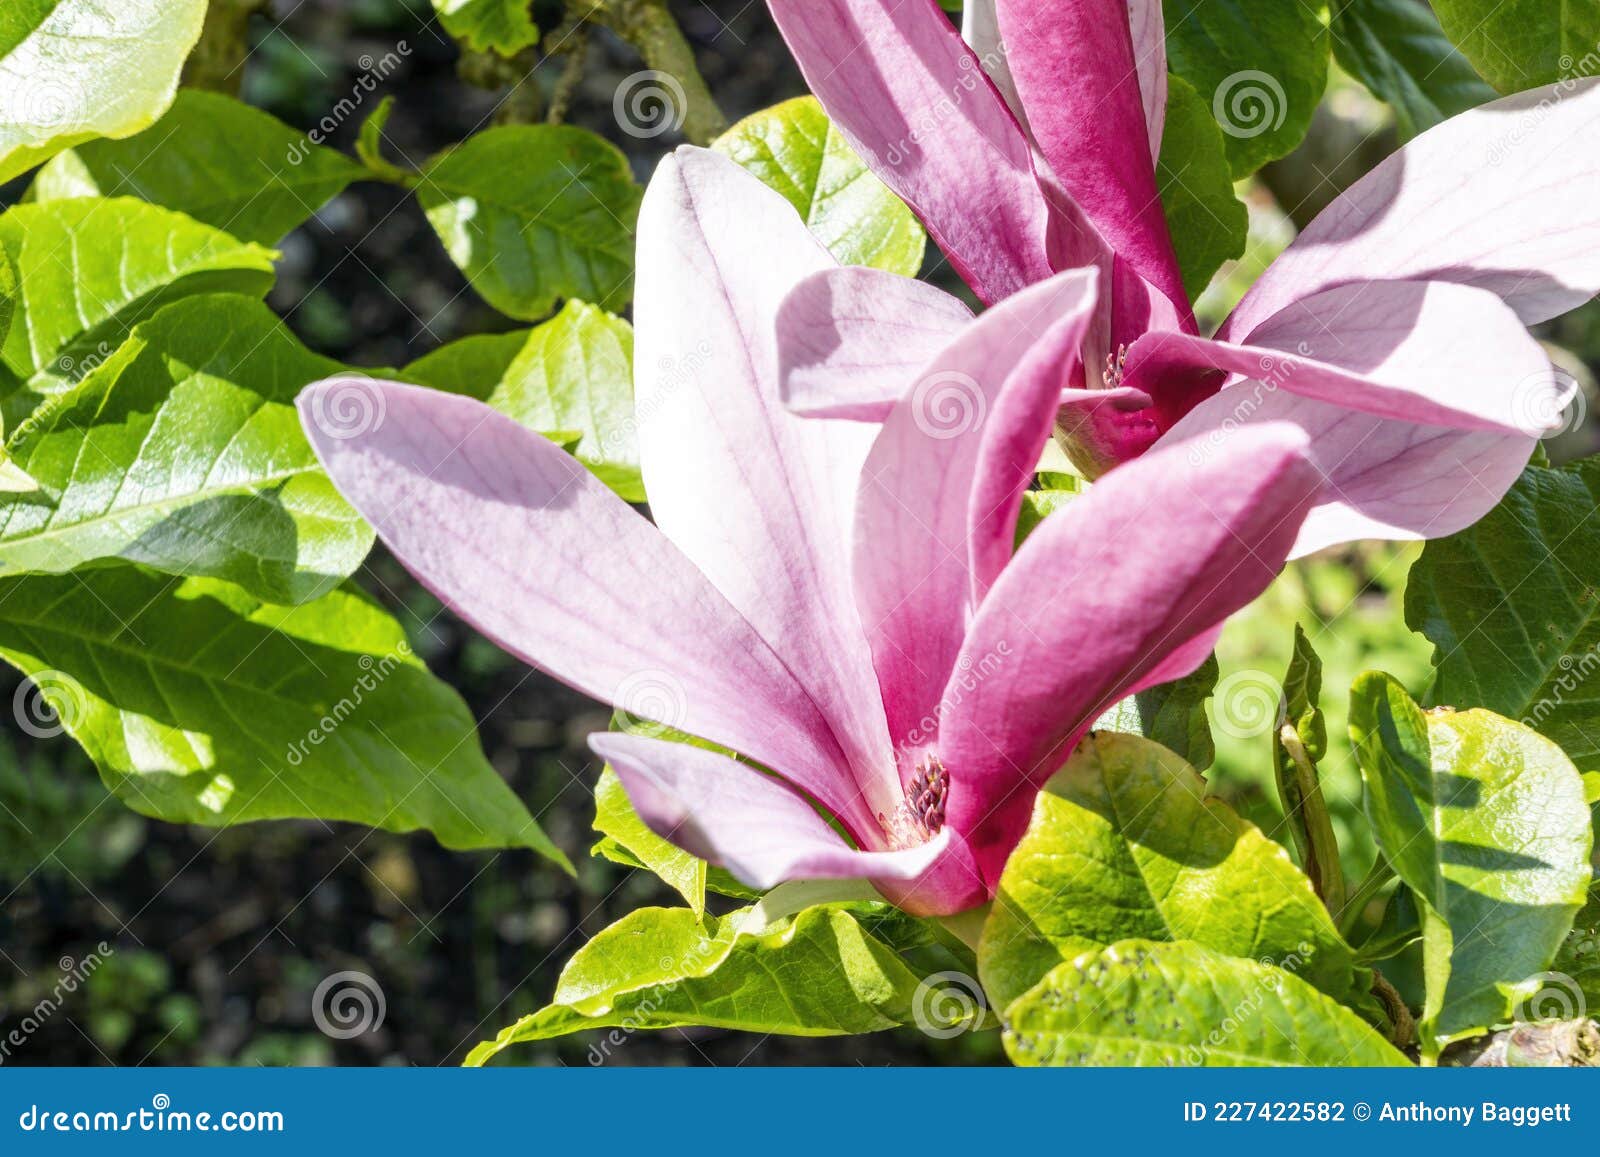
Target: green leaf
184,452
822,972
1397,49
1209,224
1512,607
794,148
1124,845
1038,505
91,270
535,213
1144,1003
369,146
615,818
1172,714
1486,822
216,159
74,70
1578,962
501,26
573,373
1301,741
200,704
1522,44
1259,65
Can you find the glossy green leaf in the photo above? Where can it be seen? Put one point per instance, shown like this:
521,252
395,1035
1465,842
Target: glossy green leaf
91,270
1575,972
1056,490
615,819
535,213
501,26
1486,822
200,704
73,70
822,972
1512,607
1147,1003
218,160
1259,65
795,149
1172,714
184,452
573,373
1124,845
1209,224
1521,44
1397,49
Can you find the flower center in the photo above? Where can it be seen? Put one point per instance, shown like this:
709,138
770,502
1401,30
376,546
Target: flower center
1115,364
926,794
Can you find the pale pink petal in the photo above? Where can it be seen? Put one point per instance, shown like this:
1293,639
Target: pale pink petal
758,498
852,340
1429,352
527,546
733,816
980,28
916,519
1075,69
1505,197
1150,52
1386,479
1100,598
911,97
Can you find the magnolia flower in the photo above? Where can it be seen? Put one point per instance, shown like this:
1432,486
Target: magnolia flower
835,602
1392,330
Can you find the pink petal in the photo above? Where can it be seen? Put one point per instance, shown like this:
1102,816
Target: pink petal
1505,197
911,97
531,549
1101,597
1150,52
1386,479
733,816
980,28
851,341
759,499
924,516
1075,69
1429,352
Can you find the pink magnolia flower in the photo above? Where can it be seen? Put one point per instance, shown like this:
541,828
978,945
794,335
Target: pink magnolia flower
1392,330
836,602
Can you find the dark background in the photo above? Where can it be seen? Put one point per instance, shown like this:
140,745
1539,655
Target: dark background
220,937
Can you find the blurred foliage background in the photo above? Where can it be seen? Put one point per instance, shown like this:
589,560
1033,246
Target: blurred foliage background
219,938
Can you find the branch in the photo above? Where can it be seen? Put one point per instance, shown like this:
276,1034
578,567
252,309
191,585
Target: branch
650,28
217,62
